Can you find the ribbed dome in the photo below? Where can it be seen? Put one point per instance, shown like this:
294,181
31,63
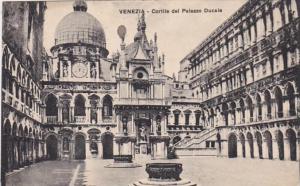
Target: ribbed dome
80,26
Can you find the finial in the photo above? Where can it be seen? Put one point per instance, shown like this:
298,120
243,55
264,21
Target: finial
142,22
155,37
163,57
80,5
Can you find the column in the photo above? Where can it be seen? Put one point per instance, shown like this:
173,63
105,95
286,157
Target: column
269,28
275,148
265,148
59,113
240,41
277,18
260,29
99,114
132,123
88,113
252,32
71,116
286,147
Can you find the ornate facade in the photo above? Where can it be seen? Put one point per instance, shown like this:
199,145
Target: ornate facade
246,77
236,94
22,108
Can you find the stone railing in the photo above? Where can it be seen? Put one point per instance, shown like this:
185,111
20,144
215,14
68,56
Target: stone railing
51,119
141,101
79,119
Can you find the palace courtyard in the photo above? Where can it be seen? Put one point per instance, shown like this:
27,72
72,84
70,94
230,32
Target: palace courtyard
205,171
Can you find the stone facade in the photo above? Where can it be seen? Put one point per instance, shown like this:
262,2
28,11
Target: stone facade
22,108
237,93
246,77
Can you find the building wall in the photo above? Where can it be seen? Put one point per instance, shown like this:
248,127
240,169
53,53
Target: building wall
246,73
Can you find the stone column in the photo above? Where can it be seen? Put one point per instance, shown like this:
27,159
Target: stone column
265,148
99,114
277,18
260,29
269,23
286,147
88,113
275,148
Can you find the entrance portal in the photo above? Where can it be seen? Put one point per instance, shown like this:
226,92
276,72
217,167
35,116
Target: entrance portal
51,144
79,147
107,143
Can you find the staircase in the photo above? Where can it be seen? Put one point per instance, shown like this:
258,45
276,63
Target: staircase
196,146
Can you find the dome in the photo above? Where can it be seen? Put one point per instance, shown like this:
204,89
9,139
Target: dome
80,26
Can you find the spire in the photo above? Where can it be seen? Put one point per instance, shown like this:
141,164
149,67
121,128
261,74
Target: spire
80,5
142,22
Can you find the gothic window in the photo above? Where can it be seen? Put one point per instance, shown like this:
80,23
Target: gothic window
51,105
279,102
65,111
225,113
176,117
291,99
242,107
107,106
79,106
187,114
268,103
259,107
250,107
233,113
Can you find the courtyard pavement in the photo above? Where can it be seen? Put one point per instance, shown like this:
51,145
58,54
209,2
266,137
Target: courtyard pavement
205,171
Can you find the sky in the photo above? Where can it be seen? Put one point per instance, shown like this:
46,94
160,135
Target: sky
177,33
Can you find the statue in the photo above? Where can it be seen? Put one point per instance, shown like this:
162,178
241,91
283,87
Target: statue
143,135
65,70
93,71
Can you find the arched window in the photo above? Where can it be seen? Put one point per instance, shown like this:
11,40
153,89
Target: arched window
250,107
197,117
268,104
225,113
187,114
279,102
259,107
233,113
79,106
242,106
51,105
176,117
107,106
291,98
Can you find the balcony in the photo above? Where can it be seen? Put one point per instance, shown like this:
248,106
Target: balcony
185,127
107,119
79,119
51,119
142,101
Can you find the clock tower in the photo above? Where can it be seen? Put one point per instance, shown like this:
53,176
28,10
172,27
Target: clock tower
80,47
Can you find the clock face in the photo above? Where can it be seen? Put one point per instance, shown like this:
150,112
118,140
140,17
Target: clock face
79,70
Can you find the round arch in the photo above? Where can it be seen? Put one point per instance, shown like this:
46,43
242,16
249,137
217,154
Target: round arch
80,141
292,139
250,142
232,145
269,141
259,141
52,146
243,142
107,145
280,143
